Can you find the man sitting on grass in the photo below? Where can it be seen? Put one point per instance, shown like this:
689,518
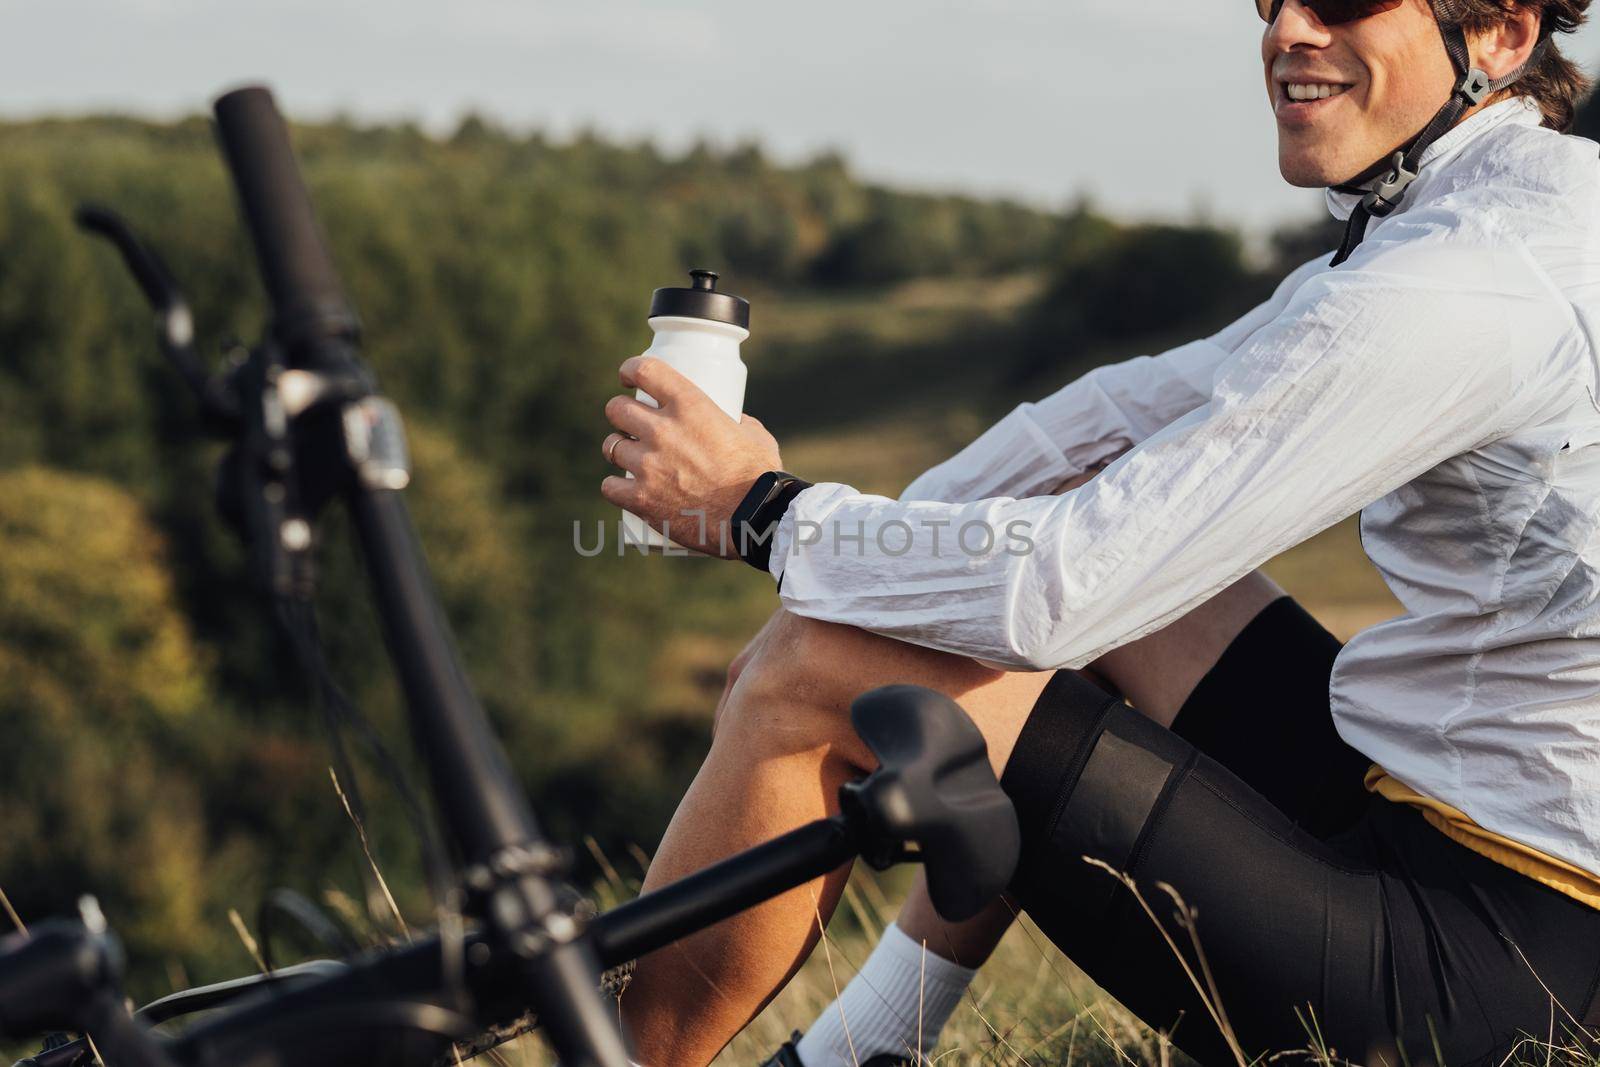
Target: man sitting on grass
1399,838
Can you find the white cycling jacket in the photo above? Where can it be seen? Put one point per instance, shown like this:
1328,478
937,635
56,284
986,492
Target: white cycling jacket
1442,382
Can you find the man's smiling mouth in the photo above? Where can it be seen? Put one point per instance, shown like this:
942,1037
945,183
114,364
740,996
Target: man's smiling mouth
1300,92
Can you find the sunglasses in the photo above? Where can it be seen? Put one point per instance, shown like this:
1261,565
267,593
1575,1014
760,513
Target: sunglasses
1330,12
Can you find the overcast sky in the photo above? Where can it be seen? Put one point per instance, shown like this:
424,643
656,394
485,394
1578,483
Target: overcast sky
1153,108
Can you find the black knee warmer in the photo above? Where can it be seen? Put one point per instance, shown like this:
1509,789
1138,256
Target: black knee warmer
1087,776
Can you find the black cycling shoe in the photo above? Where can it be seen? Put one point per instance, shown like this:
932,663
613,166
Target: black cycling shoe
787,1056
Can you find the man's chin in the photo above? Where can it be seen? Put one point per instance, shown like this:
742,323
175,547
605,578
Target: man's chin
1307,173
1303,182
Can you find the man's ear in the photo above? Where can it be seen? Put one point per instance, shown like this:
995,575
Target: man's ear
1503,48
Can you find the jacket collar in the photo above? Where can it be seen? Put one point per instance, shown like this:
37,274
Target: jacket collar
1521,110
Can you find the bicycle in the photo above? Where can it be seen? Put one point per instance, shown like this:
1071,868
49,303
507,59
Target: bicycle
309,427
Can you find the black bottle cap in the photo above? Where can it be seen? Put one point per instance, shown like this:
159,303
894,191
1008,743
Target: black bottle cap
702,301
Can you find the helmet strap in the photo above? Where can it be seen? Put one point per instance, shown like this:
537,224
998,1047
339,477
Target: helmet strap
1471,89
1382,198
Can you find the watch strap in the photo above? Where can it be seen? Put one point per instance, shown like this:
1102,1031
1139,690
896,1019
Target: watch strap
755,520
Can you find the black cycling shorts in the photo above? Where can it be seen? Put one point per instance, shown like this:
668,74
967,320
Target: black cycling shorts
1317,904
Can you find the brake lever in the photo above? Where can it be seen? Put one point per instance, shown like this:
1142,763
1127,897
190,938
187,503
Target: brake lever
174,320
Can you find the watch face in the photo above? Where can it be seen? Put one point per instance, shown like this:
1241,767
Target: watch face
759,493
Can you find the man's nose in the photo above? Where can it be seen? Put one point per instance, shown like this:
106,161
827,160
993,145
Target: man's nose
1296,27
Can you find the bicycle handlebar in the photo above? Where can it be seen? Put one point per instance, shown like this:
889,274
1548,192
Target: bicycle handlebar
65,976
310,311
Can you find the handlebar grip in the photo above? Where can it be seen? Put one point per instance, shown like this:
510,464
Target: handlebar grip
309,304
46,975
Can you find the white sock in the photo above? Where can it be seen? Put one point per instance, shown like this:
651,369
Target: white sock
898,1003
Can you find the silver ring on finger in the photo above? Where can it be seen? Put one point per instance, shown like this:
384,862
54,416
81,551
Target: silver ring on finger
611,450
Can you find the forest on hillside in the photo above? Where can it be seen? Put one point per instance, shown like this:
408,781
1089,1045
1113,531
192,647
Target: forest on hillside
160,749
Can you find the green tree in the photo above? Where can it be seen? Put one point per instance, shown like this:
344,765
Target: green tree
102,704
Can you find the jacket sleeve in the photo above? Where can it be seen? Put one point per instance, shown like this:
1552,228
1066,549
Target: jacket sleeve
1368,377
1041,444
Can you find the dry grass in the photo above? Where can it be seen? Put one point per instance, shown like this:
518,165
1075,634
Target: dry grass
1029,1004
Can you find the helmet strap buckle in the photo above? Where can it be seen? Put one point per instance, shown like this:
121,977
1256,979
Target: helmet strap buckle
1391,188
1474,87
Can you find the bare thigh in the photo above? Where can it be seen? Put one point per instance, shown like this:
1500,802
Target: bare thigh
1157,673
814,670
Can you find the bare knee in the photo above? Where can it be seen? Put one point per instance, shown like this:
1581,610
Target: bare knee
791,690
831,664
797,685
775,703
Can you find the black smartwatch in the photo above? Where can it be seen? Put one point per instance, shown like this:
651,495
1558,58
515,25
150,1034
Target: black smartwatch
755,520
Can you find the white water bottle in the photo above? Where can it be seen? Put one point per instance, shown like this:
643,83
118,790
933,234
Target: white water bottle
698,332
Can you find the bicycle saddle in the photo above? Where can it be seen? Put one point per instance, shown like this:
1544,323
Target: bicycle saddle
934,788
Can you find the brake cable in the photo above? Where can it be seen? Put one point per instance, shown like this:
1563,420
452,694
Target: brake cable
298,620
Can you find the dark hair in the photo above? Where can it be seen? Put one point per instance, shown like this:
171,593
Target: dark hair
1555,81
